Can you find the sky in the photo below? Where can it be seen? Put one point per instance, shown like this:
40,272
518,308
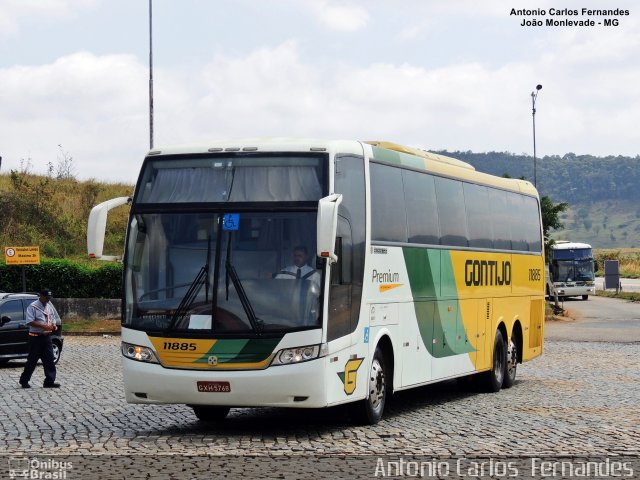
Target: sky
432,74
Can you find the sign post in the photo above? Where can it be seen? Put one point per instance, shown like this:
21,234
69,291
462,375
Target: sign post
612,275
22,256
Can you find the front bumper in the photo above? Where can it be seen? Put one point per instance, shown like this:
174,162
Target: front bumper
298,385
575,291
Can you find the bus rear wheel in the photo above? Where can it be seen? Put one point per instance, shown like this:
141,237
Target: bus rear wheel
210,413
494,378
369,411
512,365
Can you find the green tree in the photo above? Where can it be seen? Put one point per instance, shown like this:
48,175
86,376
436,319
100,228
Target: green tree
551,217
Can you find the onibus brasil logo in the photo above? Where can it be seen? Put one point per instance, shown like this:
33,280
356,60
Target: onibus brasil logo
45,469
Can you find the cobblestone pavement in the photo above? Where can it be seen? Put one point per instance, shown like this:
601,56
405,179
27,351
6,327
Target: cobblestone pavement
577,399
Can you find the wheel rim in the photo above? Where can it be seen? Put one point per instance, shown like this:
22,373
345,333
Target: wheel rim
56,352
376,385
498,363
512,359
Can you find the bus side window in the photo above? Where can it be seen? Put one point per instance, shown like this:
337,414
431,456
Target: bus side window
341,272
451,212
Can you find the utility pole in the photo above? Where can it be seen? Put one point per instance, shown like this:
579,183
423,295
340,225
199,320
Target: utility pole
534,96
150,74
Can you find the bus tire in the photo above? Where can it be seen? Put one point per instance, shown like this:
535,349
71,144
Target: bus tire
494,378
585,297
207,413
511,365
369,411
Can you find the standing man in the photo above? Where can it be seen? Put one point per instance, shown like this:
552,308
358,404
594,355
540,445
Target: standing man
41,323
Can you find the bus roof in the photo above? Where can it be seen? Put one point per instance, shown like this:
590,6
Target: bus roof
384,151
565,245
273,144
421,153
443,165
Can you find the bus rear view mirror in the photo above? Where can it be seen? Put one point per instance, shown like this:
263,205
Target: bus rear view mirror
97,226
327,223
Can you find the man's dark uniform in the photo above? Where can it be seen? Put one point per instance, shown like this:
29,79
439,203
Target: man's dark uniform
40,345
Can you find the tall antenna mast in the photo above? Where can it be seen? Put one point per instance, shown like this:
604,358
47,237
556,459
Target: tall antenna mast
150,75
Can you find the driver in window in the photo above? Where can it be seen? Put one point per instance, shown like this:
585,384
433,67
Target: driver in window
300,270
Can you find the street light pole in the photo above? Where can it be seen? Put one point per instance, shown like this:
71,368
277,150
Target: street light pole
534,96
150,76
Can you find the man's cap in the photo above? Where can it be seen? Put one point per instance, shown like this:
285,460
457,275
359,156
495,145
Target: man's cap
45,292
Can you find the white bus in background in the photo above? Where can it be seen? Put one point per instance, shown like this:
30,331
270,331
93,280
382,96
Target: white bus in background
412,268
571,271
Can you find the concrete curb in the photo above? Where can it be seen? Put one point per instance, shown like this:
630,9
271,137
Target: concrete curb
90,334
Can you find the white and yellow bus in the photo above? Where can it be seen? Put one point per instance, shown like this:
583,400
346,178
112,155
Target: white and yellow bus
304,273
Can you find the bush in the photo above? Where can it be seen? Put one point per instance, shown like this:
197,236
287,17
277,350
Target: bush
67,279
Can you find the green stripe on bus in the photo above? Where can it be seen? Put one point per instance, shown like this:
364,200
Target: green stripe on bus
397,158
257,349
241,350
431,277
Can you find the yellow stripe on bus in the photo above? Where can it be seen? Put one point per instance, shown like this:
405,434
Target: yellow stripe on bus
389,286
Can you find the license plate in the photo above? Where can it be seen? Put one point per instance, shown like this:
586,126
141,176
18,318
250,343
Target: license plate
214,387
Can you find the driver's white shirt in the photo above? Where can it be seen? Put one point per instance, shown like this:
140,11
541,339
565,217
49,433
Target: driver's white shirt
291,271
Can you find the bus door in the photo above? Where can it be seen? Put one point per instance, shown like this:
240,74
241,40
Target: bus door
345,292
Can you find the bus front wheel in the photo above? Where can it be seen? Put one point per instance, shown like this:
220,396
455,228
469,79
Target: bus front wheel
585,297
209,413
369,411
494,378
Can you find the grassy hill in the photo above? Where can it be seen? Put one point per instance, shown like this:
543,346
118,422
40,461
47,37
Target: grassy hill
576,179
608,224
52,213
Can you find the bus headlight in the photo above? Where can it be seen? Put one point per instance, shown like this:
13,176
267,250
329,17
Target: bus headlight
288,356
139,353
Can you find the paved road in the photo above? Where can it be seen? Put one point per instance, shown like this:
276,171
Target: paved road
578,399
628,284
598,319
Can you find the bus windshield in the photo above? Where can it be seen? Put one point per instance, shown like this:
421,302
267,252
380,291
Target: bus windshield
222,179
225,273
574,270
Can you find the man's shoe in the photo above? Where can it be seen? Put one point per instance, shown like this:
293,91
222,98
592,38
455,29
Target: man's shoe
25,385
51,385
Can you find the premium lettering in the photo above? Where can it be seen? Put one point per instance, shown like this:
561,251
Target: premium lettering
385,277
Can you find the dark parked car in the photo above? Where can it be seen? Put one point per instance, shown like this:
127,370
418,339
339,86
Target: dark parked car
14,332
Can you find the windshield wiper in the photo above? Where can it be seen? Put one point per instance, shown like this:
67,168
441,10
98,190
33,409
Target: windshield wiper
202,278
190,296
256,323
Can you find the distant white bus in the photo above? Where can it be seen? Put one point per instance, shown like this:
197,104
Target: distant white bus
571,271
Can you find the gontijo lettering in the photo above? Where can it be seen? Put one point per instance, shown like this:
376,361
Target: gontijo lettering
487,273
